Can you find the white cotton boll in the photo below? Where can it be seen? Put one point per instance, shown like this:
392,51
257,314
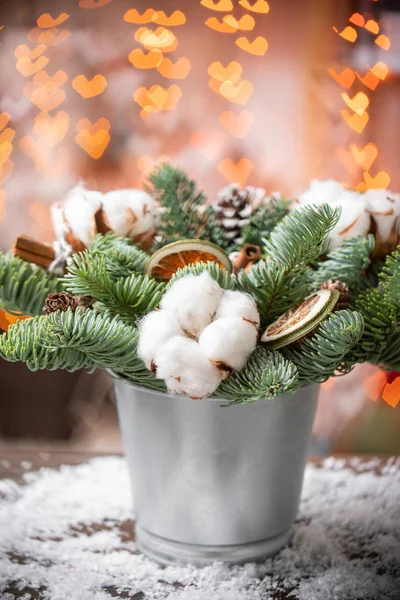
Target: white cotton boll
79,209
238,304
129,212
156,329
384,207
230,341
185,369
194,300
321,192
354,219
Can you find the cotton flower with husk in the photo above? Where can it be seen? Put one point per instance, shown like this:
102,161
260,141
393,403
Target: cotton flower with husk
200,335
74,219
375,211
130,213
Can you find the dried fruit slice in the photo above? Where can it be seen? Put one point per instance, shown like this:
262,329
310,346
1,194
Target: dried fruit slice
165,262
301,319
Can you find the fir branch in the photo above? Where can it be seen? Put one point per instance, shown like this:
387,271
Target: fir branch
264,219
267,374
23,287
318,357
347,263
181,217
129,297
122,257
223,278
108,343
300,237
389,280
29,341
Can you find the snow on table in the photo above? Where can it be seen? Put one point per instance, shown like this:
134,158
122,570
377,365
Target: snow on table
67,534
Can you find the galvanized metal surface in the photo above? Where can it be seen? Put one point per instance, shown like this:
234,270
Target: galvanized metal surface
213,483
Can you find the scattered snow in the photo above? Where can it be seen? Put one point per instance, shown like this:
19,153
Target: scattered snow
67,533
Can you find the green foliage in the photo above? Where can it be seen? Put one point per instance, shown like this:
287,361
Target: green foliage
266,375
23,287
347,263
318,357
389,280
122,258
264,219
29,341
181,217
284,278
128,297
224,279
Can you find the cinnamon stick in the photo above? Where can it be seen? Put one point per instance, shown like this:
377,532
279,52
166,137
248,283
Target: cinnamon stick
249,254
33,251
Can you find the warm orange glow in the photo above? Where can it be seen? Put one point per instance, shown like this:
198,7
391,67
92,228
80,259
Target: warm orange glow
88,88
6,168
7,319
23,51
93,137
220,26
236,172
93,3
345,78
374,384
141,60
48,37
162,39
357,19
359,103
7,135
370,80
372,26
356,122
46,20
157,98
246,23
222,5
348,33
364,157
232,72
5,150
174,20
4,119
259,46
380,181
346,159
208,143
391,392
27,67
145,164
178,70
133,16
260,6
52,128
3,205
328,385
237,125
40,214
380,70
238,93
44,91
383,42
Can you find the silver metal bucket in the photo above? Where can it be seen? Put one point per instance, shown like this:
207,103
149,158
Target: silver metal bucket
212,483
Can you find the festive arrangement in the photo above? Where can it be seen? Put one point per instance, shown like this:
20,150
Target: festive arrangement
243,299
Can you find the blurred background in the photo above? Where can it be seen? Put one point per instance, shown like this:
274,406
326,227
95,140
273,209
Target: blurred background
270,94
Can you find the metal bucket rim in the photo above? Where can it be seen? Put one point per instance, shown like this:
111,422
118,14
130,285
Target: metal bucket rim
169,395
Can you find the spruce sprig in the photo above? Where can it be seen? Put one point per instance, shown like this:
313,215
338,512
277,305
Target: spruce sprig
267,374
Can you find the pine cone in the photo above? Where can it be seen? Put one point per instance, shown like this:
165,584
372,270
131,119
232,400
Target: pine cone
59,301
234,209
341,287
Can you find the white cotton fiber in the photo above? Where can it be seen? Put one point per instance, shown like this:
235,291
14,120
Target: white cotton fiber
384,207
194,300
238,304
185,369
321,192
156,329
79,209
230,340
354,219
129,212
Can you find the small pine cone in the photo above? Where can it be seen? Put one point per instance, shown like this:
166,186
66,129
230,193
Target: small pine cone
234,209
59,301
341,287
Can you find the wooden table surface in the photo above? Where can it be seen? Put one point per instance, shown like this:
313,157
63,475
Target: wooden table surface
14,464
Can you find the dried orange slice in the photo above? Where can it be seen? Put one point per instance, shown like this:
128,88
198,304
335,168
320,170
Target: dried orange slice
300,320
165,262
